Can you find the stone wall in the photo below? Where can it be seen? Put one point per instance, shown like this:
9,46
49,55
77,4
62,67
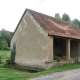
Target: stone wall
31,40
58,63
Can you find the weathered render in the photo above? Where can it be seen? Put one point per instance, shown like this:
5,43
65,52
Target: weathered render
31,41
39,38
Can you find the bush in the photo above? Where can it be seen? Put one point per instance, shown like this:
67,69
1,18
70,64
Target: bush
0,59
8,48
64,57
4,44
57,58
13,53
4,65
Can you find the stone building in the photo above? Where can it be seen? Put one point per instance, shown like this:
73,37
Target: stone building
39,38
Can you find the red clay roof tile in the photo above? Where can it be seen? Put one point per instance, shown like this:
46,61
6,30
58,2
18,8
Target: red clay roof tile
55,26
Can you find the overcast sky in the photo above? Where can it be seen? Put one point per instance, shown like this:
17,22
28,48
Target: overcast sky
12,10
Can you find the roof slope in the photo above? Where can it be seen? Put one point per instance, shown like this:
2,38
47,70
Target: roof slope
55,26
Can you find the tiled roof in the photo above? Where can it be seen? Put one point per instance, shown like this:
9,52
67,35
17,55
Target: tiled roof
55,26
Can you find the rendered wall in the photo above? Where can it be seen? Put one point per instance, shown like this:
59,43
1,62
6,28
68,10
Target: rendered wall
31,41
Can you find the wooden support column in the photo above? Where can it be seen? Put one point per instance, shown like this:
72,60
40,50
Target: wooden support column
50,48
79,49
68,48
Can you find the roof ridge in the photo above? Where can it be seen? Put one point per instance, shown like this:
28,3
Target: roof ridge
53,25
52,17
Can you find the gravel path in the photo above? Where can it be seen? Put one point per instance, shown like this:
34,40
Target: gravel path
67,75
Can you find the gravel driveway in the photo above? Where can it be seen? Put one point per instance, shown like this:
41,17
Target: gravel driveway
67,75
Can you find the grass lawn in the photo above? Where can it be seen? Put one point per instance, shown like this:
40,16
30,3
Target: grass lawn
4,54
11,74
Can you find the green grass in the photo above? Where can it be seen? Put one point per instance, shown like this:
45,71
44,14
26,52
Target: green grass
5,54
11,74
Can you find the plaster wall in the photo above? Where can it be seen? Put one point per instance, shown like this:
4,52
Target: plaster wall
31,41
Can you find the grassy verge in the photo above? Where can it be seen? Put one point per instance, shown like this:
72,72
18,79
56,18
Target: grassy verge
5,54
57,69
11,74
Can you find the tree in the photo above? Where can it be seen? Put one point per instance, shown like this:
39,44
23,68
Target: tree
57,16
66,17
4,44
6,35
76,22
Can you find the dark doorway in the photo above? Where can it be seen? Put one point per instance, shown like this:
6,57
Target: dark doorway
59,47
74,48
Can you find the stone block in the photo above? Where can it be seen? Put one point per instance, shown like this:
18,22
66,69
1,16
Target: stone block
77,60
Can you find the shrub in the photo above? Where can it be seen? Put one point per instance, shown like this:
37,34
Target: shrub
8,48
13,53
57,58
4,44
64,57
0,59
4,65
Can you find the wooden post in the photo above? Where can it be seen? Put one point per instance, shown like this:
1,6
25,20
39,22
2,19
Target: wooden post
68,48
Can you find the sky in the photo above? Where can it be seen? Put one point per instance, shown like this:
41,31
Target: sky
12,10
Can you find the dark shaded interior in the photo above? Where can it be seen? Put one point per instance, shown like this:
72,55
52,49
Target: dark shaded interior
59,47
74,48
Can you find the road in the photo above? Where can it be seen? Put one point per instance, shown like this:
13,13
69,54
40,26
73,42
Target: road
67,75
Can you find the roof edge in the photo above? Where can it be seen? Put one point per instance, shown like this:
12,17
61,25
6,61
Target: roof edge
19,23
35,19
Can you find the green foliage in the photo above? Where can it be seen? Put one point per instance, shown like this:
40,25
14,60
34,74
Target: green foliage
57,58
4,44
64,57
4,55
57,16
4,34
12,74
13,53
8,48
11,33
76,22
0,59
66,17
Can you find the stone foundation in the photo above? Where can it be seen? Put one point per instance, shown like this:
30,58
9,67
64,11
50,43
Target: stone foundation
58,63
47,64
77,60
